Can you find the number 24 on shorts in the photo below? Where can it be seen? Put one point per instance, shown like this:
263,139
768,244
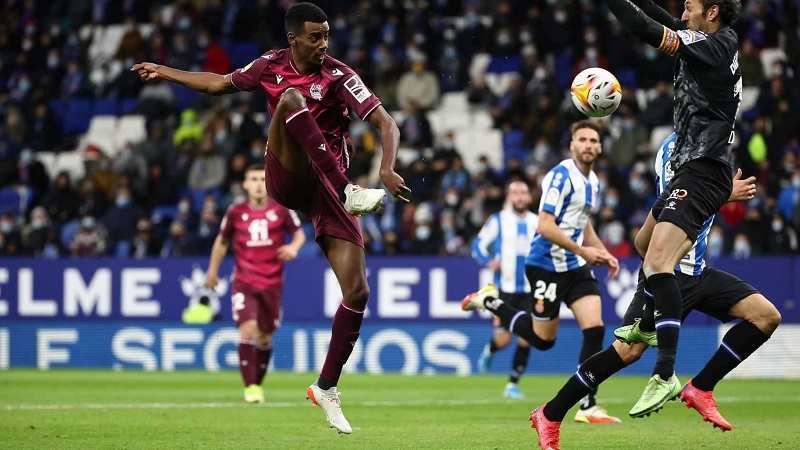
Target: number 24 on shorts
545,290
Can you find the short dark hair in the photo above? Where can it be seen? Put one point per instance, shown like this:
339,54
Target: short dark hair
300,13
255,166
586,123
728,9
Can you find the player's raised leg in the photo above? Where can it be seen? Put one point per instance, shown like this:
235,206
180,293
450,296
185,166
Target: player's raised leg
347,261
295,139
760,318
588,313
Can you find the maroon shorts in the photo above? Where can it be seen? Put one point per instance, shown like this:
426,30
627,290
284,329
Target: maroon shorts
260,304
312,194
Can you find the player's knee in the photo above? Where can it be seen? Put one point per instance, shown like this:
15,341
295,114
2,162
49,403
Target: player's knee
629,353
542,344
248,331
523,343
291,100
768,319
357,296
501,340
264,340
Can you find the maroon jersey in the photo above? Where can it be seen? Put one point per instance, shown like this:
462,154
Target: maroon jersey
329,93
257,234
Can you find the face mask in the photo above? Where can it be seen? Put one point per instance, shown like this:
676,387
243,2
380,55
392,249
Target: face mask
123,201
451,199
27,44
637,184
525,37
449,34
220,136
796,181
777,225
540,73
789,167
651,54
6,227
560,16
741,248
423,233
715,242
52,62
590,38
612,202
239,198
26,156
38,224
184,207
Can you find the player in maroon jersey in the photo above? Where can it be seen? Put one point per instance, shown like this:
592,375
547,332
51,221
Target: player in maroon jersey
257,229
310,96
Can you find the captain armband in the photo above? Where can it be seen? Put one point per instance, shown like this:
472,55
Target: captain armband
669,43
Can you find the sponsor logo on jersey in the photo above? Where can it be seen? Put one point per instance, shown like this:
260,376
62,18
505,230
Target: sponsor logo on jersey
678,194
316,91
356,87
689,37
552,196
337,72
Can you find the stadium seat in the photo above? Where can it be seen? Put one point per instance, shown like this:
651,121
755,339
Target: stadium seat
77,116
163,213
131,128
68,231
658,135
184,97
122,250
242,53
9,201
128,105
107,107
503,64
59,109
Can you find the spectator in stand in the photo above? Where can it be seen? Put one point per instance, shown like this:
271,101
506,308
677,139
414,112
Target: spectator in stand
415,130
420,85
146,242
120,219
34,236
90,239
208,168
62,202
179,242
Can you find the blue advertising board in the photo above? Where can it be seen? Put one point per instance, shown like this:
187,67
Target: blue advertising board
403,288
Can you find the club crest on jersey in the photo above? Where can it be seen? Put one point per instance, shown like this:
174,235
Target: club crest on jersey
316,91
272,216
539,306
357,89
689,37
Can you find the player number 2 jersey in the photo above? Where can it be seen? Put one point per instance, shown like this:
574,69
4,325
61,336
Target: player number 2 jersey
256,234
693,262
330,94
570,196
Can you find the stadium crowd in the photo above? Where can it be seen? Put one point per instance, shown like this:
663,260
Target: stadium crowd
164,195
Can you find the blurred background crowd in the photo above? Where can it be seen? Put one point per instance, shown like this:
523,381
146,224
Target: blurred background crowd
479,90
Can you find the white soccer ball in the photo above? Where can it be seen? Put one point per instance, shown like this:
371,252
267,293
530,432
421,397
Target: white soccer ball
596,92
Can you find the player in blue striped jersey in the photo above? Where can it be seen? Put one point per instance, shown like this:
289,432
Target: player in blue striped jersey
502,245
712,292
557,267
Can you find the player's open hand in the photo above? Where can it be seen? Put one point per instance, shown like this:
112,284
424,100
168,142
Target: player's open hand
146,71
211,280
287,253
594,256
395,185
743,190
494,265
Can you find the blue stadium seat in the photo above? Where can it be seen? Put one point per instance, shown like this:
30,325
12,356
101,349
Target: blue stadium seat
122,249
128,105
502,64
513,139
627,78
198,195
68,231
164,213
9,201
242,53
59,109
185,97
78,115
106,107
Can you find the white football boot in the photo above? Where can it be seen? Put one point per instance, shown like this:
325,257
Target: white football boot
329,402
359,200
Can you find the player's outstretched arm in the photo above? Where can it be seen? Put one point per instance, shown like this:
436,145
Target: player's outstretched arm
743,190
218,252
640,24
390,141
660,15
205,82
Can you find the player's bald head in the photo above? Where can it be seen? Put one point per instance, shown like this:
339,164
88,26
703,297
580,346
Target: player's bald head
300,13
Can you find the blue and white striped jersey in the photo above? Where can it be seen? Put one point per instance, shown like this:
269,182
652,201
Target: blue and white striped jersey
693,262
507,237
570,196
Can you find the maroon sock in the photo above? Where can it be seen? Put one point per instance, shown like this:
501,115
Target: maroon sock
262,361
346,326
305,131
247,362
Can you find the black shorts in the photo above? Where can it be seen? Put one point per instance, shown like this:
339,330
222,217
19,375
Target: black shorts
696,192
551,288
713,293
522,301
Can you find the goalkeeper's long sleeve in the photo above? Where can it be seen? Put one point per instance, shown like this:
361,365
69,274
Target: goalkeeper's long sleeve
637,22
660,15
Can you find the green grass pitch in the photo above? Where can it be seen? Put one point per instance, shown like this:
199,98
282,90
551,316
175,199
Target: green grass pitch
71,409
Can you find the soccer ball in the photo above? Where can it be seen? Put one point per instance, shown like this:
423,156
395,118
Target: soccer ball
596,92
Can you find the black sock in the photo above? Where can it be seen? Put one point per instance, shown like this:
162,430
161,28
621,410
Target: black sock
521,320
669,308
324,383
648,322
520,363
592,343
589,376
739,343
492,347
